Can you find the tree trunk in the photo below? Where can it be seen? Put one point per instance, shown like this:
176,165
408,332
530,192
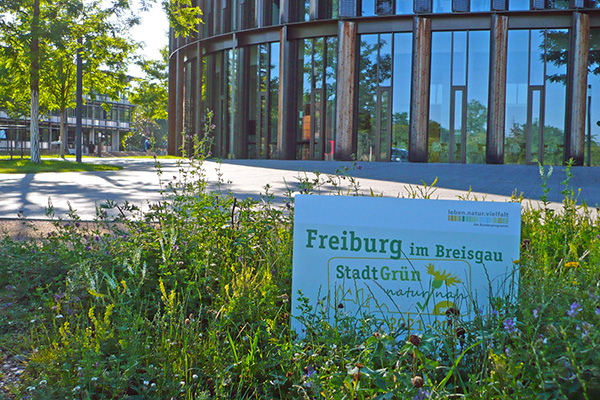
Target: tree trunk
34,127
63,132
34,54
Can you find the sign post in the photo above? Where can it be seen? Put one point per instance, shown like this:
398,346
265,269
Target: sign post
407,262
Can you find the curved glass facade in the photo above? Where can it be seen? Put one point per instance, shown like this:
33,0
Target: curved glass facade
450,81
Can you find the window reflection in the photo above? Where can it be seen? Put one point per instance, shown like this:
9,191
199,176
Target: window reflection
516,5
458,98
401,95
404,7
384,7
442,6
263,102
316,98
368,8
593,98
477,95
373,98
480,5
535,96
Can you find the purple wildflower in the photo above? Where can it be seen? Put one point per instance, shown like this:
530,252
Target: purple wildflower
509,325
535,313
310,371
77,224
422,395
97,238
574,309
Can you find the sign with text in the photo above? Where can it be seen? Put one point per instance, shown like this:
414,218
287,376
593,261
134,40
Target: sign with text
404,261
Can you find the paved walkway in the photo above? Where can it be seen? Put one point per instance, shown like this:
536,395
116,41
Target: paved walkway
138,182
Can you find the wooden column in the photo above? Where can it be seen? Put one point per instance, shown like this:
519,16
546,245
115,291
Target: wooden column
287,125
180,108
494,150
198,106
577,89
419,95
240,145
172,110
346,91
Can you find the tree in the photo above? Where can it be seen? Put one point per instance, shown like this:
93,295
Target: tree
25,15
151,97
43,33
106,50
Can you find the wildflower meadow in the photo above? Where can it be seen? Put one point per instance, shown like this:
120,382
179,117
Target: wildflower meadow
192,300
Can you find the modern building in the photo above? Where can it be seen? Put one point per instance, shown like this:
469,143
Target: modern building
465,81
99,126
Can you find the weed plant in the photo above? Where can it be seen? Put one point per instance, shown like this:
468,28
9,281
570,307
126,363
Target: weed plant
192,301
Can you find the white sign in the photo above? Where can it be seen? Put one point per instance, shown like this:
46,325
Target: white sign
405,261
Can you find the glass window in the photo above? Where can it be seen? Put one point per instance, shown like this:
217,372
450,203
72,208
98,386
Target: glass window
275,12
401,96
535,96
374,113
557,52
247,12
253,92
458,99
558,4
368,8
516,96
477,95
459,58
274,97
316,98
442,6
330,86
384,65
480,5
384,7
335,6
305,9
516,5
404,6
367,92
593,118
439,110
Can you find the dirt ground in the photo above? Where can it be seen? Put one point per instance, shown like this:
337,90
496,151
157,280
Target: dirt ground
33,228
18,229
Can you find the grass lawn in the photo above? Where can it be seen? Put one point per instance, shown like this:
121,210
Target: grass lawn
25,166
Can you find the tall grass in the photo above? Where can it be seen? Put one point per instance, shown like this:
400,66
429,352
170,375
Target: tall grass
192,301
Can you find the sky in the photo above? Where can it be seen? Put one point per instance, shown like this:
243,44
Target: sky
153,32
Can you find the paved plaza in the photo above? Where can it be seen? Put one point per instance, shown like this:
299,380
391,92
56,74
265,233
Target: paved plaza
138,182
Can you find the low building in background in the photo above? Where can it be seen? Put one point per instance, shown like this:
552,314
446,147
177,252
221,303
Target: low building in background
99,127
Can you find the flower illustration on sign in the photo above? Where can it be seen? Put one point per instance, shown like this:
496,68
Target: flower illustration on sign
438,278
